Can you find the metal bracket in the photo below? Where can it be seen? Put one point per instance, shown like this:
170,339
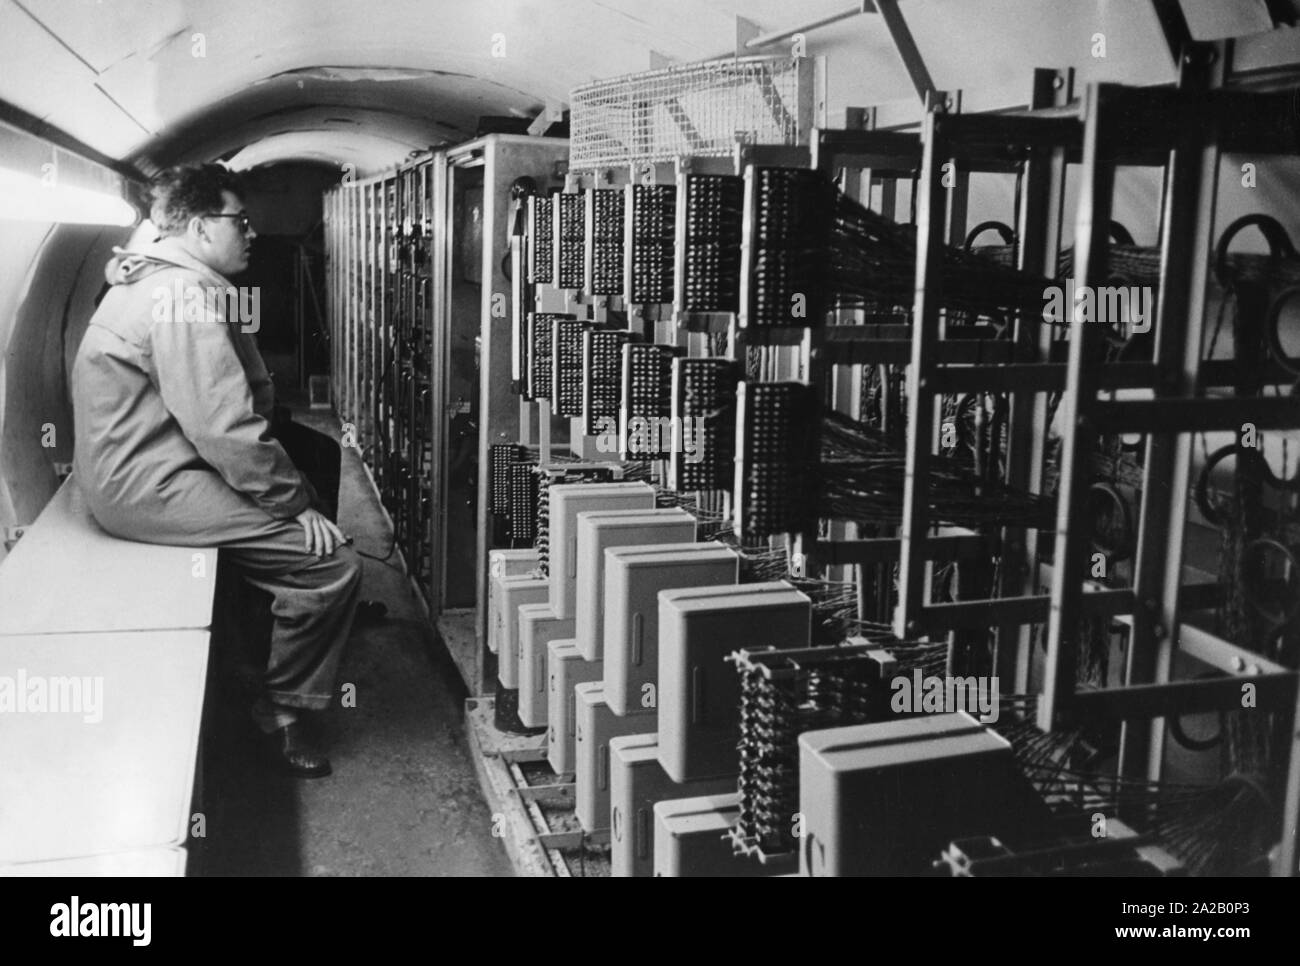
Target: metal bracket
552,113
746,30
859,118
1173,24
12,535
905,44
557,794
942,102
516,755
572,840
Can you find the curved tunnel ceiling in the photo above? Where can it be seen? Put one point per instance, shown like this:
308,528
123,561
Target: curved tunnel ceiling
159,82
357,151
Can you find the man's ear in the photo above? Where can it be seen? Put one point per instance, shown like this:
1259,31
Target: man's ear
196,229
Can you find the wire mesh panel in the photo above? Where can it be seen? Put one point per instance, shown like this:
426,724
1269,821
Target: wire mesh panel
692,109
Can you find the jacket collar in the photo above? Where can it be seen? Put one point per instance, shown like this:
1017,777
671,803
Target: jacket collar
129,266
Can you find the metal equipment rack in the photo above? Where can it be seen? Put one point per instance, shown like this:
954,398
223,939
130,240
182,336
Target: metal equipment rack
1189,127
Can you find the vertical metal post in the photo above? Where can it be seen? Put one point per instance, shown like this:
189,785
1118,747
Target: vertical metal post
1288,859
344,331
931,223
366,319
354,290
439,362
1039,237
958,196
1079,436
1185,244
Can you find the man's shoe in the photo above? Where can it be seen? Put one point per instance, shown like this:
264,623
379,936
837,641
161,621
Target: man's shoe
370,612
295,754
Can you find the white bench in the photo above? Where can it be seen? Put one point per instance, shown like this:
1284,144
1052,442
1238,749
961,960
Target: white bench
105,788
66,575
138,864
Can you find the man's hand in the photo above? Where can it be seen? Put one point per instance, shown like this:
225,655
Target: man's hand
322,535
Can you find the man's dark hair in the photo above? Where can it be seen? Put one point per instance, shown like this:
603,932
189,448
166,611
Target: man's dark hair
180,193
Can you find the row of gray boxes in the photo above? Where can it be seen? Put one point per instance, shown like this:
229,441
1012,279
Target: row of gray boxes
620,652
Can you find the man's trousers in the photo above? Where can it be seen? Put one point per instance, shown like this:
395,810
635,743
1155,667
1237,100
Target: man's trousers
313,599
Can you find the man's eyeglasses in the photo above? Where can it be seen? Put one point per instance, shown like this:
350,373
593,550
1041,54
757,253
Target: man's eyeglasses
243,223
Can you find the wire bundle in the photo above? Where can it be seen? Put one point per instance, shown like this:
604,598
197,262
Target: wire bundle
606,229
834,609
759,563
873,267
653,226
711,266
860,476
814,241
569,241
1127,263
863,479
1214,829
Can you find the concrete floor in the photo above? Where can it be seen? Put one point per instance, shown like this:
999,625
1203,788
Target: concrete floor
403,799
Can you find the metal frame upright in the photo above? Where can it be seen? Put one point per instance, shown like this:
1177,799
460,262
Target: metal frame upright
1187,128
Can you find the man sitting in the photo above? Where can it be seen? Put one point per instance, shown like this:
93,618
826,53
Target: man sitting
173,445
